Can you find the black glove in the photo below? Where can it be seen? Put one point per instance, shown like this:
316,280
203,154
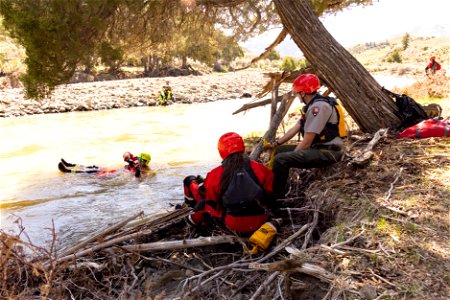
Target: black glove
199,179
138,171
188,180
130,162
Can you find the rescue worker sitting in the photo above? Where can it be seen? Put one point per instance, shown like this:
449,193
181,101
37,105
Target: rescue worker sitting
321,145
166,94
234,194
432,67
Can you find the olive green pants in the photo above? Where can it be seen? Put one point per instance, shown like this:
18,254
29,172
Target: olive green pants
287,158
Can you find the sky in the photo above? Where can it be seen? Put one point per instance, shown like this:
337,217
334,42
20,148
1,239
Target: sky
383,20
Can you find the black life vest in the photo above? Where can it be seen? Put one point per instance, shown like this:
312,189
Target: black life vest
244,194
331,130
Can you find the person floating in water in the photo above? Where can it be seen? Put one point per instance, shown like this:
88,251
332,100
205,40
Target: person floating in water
136,164
166,94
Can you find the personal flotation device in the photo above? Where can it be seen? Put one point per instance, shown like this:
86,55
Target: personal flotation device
165,94
106,172
331,130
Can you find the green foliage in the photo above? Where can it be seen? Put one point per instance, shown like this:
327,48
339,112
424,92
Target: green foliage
44,30
395,56
274,55
60,37
406,40
112,57
288,64
230,52
302,63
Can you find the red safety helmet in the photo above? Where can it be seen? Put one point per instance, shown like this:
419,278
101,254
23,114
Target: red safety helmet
433,58
229,143
307,83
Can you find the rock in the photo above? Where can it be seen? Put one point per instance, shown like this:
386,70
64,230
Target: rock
368,292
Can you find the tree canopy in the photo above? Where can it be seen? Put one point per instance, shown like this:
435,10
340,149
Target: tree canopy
61,36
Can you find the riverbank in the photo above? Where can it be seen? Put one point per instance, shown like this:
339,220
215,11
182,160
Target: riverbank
139,92
100,95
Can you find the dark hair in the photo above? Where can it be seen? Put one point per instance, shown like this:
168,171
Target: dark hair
231,164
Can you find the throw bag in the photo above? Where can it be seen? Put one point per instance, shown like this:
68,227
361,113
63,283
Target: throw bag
243,196
427,128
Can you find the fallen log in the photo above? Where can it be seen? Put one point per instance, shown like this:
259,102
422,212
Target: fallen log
172,245
292,266
98,247
98,235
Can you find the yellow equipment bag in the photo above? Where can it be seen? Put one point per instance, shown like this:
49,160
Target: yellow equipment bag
262,237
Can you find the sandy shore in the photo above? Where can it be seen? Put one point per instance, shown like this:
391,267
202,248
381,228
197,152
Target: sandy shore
133,92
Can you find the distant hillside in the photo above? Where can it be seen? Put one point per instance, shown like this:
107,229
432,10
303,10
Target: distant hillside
380,56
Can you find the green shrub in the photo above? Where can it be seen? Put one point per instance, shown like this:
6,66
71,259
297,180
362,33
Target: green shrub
288,64
274,55
395,56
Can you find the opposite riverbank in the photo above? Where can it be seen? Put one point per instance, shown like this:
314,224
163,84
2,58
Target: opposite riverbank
99,95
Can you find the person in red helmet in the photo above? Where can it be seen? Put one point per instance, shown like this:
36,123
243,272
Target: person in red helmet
235,194
432,67
321,144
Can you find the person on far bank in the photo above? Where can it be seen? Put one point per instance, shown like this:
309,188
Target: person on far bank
166,94
432,67
321,144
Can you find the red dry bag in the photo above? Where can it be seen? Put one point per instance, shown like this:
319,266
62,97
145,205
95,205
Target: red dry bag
427,128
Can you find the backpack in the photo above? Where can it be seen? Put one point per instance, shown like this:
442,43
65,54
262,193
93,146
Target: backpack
410,111
244,194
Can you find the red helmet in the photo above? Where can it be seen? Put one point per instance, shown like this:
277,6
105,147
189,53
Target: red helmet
433,58
307,83
229,143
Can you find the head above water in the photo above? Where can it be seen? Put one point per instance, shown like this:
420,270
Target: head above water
127,155
230,143
145,158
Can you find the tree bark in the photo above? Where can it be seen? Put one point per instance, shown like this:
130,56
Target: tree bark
359,92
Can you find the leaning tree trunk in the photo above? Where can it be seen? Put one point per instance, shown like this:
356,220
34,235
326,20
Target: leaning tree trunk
359,92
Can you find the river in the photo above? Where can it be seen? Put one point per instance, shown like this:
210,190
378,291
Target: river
182,140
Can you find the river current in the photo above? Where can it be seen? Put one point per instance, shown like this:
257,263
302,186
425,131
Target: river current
182,140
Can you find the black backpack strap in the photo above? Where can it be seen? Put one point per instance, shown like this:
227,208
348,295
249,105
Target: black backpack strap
248,168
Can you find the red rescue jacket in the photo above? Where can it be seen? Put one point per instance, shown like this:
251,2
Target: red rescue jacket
239,224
